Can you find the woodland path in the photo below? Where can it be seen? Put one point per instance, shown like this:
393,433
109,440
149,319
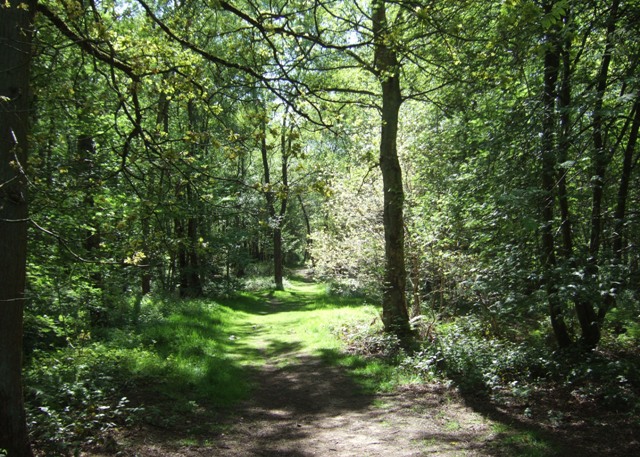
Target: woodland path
311,409
302,406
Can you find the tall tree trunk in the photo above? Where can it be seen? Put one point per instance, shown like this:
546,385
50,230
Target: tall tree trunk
190,283
589,324
625,179
276,217
564,142
15,58
394,303
548,170
162,124
87,181
269,196
188,258
278,253
278,268
621,205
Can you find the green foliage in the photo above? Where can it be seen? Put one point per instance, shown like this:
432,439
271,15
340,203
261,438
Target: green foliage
180,356
348,251
74,397
370,341
147,179
608,380
526,443
467,352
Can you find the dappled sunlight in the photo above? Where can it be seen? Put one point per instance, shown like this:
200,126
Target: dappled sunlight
298,296
267,373
308,395
207,353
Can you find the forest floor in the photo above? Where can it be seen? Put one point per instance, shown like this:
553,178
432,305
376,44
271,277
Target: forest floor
303,406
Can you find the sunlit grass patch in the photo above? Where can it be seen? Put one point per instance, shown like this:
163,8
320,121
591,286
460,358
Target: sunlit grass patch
207,346
193,345
185,358
526,443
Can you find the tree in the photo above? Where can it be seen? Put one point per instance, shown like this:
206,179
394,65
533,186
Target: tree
271,193
598,73
332,65
563,246
16,20
394,303
548,176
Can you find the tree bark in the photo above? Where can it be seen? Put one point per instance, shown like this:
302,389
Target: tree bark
276,218
564,142
395,316
190,283
278,253
15,58
86,176
188,258
269,196
625,180
548,171
620,212
589,324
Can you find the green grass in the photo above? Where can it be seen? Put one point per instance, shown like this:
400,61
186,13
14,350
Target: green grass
194,358
204,351
186,359
526,443
453,426
303,313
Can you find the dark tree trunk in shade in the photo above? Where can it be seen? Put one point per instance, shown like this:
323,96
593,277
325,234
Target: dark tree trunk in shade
548,181
15,58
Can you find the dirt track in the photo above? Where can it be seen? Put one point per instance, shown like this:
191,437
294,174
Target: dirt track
310,409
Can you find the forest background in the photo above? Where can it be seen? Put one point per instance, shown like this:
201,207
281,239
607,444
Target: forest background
471,166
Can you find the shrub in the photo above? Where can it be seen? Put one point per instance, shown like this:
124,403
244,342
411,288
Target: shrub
73,398
466,352
370,341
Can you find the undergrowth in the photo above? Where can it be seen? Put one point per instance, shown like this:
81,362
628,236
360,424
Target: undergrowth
463,352
175,355
178,359
181,358
74,397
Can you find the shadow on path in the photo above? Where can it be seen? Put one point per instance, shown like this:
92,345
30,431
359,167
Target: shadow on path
311,409
289,404
306,405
